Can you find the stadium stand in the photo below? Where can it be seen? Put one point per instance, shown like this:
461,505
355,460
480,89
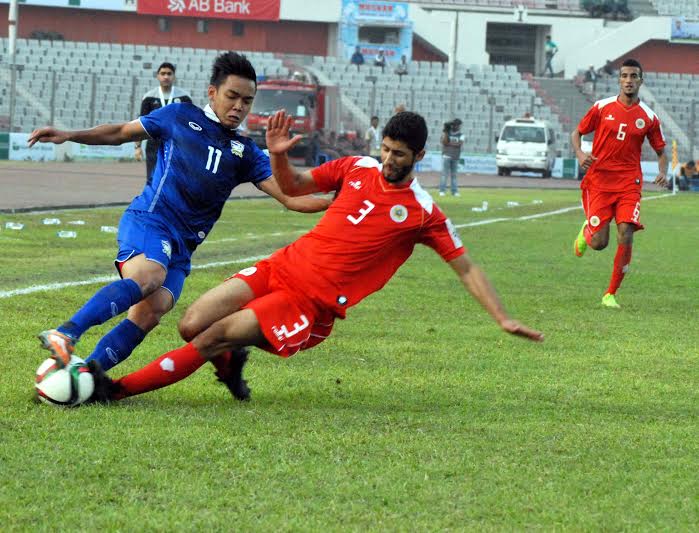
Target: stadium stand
685,8
568,5
109,78
426,90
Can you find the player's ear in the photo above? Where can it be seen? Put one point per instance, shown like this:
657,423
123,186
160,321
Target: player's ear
420,155
211,92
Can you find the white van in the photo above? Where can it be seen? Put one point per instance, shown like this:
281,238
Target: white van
525,145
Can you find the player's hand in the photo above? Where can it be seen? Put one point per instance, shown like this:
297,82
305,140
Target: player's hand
47,135
661,180
585,160
138,153
277,135
515,328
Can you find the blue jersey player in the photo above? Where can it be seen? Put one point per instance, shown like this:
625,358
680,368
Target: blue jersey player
200,160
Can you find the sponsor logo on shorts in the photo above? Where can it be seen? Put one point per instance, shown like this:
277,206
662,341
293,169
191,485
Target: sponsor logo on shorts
167,249
594,221
201,234
399,213
195,126
640,123
167,364
248,271
237,148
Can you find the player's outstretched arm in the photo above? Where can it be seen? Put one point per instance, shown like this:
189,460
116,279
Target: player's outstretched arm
302,204
291,181
476,282
113,134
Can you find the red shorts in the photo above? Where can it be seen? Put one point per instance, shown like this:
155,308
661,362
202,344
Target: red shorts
288,321
601,206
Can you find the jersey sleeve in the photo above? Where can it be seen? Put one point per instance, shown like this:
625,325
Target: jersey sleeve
329,176
260,168
590,121
441,235
158,124
656,138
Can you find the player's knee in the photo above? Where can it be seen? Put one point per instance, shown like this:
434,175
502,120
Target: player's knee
147,318
599,245
188,326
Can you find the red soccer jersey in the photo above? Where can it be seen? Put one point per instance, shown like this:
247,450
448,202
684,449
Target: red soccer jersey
619,134
367,233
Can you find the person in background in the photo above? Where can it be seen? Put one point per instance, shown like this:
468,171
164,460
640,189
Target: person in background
590,80
550,50
372,138
165,93
452,141
380,60
357,58
402,67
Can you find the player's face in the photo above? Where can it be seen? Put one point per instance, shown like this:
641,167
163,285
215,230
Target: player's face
630,80
232,100
398,160
166,77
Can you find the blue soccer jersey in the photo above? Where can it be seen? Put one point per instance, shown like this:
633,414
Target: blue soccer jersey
199,163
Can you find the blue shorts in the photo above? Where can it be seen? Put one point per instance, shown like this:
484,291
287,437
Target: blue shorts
144,233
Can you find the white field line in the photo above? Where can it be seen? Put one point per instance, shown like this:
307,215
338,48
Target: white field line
114,277
103,279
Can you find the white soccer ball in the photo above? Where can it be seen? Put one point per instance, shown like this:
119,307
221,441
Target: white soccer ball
66,387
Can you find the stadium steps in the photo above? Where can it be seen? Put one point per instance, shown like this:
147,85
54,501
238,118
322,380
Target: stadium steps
642,7
565,99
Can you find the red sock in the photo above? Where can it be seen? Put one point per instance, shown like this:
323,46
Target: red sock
621,265
165,370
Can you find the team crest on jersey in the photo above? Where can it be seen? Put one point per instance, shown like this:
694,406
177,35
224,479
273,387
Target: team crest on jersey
195,126
399,213
237,148
167,249
594,221
640,123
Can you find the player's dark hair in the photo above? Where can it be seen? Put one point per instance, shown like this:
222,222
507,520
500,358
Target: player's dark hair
374,117
633,63
166,64
232,64
409,128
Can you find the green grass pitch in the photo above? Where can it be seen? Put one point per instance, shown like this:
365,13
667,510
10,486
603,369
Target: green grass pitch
418,414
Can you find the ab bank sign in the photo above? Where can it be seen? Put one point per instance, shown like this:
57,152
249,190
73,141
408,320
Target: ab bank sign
232,9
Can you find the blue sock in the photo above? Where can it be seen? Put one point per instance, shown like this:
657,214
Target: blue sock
117,345
108,302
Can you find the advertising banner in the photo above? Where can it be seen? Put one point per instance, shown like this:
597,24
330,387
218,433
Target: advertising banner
683,31
106,5
230,9
84,151
19,151
388,21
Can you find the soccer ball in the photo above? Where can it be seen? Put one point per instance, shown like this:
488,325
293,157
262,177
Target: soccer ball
67,387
